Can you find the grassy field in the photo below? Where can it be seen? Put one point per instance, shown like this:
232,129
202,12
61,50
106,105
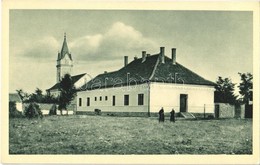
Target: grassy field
128,135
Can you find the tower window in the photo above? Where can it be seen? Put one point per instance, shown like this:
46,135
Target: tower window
106,98
126,100
100,98
95,98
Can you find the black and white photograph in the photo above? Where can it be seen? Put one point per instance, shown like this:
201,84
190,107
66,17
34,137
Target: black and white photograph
138,82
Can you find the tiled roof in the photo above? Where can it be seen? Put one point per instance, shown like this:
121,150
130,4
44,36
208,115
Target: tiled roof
74,80
168,72
14,97
151,70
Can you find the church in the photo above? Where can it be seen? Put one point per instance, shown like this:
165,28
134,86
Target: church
65,66
145,85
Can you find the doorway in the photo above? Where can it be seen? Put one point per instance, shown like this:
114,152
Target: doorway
183,103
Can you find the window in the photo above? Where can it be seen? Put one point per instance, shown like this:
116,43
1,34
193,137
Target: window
95,98
88,101
126,100
140,99
106,98
114,101
80,102
100,98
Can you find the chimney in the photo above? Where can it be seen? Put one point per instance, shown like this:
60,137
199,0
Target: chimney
143,56
162,54
126,60
173,56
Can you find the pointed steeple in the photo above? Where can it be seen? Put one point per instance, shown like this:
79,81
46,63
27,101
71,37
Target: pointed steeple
64,48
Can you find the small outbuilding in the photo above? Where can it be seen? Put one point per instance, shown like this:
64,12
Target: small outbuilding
14,97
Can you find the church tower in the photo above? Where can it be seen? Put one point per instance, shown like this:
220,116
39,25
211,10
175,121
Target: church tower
64,61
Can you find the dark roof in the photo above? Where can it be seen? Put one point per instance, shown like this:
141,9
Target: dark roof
74,80
168,72
64,50
151,70
14,97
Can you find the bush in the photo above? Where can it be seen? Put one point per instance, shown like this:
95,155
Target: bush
97,111
13,112
210,117
53,110
33,111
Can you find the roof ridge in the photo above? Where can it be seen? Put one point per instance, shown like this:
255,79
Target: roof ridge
155,66
106,73
79,74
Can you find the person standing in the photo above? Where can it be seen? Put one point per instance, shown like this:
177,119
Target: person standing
172,117
161,115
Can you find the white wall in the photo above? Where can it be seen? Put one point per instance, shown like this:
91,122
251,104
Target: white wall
168,96
55,92
46,112
161,95
119,92
19,106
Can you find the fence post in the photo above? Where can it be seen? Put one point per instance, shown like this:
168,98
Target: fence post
204,111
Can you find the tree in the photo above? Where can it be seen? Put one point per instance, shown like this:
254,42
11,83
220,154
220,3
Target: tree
23,95
48,98
37,96
53,110
33,111
67,92
225,91
246,86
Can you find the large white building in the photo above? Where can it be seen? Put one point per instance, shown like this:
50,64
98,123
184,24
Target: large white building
145,85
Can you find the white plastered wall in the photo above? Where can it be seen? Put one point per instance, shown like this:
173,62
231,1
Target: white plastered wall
168,96
118,92
19,106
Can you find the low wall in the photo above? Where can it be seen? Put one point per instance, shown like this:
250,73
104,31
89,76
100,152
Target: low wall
224,110
45,108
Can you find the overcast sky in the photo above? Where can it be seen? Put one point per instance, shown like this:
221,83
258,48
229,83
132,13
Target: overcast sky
210,43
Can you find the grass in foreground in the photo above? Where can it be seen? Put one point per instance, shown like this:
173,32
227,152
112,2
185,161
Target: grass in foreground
128,135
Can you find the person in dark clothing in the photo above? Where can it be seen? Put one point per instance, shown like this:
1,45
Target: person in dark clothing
161,115
172,118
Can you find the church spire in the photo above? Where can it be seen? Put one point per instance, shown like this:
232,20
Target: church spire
64,48
64,61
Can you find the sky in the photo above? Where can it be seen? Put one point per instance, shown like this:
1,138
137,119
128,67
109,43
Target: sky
210,43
